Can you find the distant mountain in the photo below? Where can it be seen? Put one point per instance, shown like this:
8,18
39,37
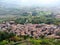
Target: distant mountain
12,9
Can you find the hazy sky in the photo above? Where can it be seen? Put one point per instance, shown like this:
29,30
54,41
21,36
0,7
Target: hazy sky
32,2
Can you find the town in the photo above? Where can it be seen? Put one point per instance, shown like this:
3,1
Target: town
29,22
33,30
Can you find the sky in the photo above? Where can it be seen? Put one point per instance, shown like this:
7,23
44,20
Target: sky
49,3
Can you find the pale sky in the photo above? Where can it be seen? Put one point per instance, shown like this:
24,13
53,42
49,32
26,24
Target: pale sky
33,2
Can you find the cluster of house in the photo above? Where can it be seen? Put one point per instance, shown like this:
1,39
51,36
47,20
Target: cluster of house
34,30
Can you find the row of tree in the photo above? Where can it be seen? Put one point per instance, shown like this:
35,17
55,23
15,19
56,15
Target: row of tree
37,20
